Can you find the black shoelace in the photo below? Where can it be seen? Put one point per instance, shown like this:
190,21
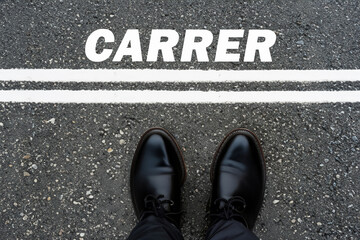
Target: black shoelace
232,208
155,206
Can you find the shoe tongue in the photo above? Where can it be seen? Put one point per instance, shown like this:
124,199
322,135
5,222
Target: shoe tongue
166,207
227,202
159,204
221,205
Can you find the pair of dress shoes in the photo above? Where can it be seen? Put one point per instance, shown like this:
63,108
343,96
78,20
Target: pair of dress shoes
237,174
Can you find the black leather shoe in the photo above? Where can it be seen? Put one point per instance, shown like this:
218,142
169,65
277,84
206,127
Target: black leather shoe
157,174
238,178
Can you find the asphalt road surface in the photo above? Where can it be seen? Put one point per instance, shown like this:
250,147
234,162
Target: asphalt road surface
64,168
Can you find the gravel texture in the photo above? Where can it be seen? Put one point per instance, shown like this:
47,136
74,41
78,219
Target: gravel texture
82,155
52,34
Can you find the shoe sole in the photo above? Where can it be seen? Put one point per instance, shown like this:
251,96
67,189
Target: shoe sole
178,151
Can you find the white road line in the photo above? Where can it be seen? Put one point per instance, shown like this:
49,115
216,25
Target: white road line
154,75
149,96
